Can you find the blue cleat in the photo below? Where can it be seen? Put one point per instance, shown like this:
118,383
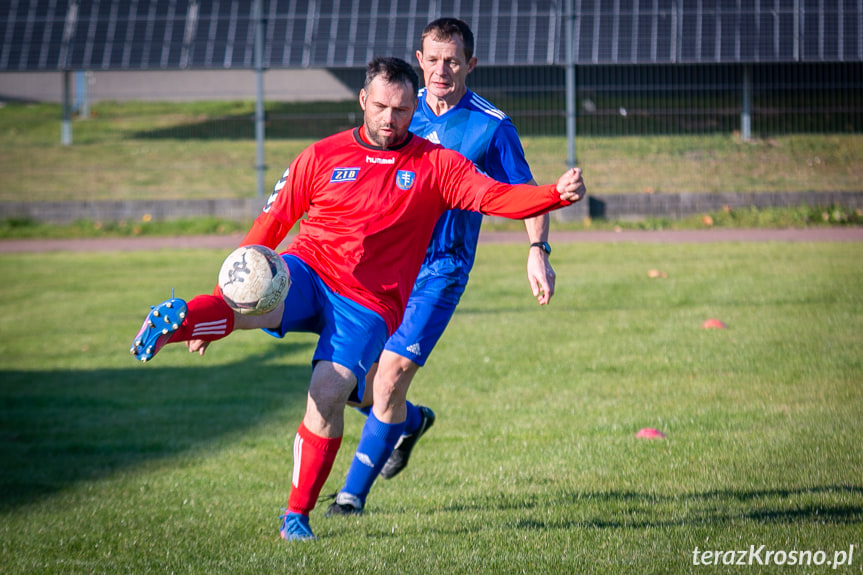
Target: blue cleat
163,320
295,527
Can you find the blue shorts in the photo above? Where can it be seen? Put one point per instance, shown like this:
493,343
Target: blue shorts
350,335
427,314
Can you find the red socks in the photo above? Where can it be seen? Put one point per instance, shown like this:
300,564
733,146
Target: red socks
313,460
208,317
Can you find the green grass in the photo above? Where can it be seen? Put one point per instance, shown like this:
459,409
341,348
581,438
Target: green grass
708,163
207,150
25,228
181,465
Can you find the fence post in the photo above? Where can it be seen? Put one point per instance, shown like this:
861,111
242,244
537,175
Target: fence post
570,84
260,166
66,128
746,114
65,58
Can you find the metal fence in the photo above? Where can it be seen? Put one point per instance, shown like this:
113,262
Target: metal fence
630,100
638,100
638,68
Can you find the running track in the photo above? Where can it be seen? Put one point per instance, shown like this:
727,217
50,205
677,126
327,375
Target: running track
831,234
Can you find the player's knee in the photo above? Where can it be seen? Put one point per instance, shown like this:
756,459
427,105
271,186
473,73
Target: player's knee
327,402
386,390
403,368
331,386
391,385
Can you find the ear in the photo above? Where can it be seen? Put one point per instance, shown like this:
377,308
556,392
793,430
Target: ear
471,64
419,54
363,97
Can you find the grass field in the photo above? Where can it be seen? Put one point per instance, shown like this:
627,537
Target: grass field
207,150
182,465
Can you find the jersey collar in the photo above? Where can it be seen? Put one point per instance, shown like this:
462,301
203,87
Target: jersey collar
430,113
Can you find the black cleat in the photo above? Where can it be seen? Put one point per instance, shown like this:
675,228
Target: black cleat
402,452
345,504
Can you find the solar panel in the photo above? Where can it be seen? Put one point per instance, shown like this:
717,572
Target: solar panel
219,34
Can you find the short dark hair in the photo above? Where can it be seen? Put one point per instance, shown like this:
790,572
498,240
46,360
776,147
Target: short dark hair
393,70
446,28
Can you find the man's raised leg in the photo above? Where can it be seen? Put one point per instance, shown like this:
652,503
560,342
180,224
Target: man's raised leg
204,317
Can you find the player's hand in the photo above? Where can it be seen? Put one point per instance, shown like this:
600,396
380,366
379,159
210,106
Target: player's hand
570,186
540,275
197,345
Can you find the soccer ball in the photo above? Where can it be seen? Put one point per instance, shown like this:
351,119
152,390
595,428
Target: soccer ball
254,280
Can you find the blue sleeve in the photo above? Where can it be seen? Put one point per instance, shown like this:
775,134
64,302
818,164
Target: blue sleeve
505,161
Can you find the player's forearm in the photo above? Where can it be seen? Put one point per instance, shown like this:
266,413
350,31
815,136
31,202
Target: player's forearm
536,228
522,201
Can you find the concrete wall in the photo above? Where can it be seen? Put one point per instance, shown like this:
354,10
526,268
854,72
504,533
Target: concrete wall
612,207
177,86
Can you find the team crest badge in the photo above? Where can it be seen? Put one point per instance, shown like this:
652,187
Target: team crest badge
405,179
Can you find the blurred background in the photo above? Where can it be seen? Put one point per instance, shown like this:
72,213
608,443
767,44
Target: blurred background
192,99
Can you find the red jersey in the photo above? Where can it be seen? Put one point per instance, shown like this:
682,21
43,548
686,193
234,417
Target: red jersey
371,212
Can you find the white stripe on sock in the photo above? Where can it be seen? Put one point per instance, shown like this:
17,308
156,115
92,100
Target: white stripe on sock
218,327
298,456
218,322
198,332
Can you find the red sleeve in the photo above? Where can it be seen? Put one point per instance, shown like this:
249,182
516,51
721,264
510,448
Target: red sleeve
266,231
465,188
286,205
521,201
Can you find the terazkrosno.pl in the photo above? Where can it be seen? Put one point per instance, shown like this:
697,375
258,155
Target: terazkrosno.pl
761,555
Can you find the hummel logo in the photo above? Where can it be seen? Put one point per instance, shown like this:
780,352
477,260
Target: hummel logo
414,348
373,160
276,189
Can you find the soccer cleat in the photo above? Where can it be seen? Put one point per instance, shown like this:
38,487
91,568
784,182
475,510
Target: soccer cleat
402,452
295,527
163,320
345,504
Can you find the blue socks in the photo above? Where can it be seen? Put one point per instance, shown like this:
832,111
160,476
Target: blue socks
413,420
376,444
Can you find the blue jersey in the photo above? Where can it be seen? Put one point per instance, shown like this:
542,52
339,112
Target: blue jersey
488,138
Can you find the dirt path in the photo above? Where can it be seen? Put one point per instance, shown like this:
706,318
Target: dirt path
834,234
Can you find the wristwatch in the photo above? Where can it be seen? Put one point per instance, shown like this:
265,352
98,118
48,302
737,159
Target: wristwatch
543,246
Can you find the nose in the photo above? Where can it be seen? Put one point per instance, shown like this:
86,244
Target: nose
439,68
387,116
